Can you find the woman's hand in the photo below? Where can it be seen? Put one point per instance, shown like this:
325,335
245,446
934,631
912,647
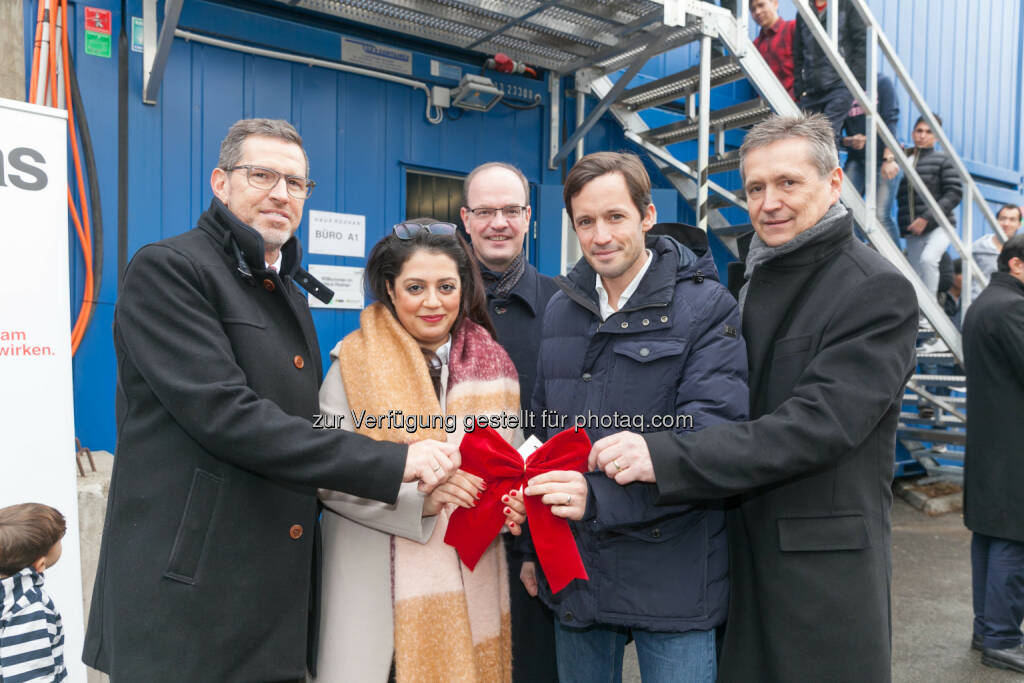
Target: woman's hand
462,489
515,511
565,491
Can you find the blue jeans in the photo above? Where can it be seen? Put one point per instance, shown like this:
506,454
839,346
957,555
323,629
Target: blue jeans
997,575
885,194
594,655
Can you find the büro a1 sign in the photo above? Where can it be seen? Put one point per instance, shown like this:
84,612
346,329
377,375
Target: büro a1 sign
37,430
340,234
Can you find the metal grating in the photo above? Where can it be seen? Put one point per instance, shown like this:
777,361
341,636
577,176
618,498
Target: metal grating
737,116
683,84
561,35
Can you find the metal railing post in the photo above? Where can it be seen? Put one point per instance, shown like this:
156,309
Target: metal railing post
704,131
871,130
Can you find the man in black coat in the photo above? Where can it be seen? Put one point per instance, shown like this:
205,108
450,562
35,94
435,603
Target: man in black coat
206,563
496,216
994,466
830,329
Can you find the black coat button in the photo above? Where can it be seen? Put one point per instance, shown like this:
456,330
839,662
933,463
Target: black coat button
655,533
586,377
568,616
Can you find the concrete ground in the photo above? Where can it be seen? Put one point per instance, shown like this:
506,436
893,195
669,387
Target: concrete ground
931,604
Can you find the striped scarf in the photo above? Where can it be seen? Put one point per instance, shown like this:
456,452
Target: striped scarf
451,624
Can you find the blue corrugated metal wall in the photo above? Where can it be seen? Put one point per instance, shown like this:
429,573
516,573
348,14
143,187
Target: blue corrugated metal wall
362,133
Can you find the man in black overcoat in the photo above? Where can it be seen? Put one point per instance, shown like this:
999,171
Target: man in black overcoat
830,329
205,568
994,466
497,217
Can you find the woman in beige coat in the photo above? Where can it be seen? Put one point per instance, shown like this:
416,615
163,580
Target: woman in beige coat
425,349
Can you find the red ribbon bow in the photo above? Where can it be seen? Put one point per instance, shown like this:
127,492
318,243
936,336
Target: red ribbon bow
487,455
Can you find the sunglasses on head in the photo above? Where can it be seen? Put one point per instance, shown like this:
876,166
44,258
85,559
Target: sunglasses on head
406,231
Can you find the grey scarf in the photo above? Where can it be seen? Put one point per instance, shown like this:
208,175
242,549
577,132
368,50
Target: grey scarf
761,253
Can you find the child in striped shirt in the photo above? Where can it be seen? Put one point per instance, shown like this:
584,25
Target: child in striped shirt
31,632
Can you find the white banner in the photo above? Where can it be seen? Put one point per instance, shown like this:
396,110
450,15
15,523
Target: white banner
37,431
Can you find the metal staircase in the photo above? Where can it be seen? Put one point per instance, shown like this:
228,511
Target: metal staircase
933,435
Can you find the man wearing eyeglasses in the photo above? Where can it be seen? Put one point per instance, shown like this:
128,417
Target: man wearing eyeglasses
497,217
207,557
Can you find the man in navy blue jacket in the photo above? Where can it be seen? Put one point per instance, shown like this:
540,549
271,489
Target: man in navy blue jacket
641,337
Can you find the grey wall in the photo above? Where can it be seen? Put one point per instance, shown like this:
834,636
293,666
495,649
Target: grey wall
12,50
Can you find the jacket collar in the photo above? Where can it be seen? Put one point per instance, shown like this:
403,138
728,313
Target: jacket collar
818,249
224,226
671,263
1001,279
526,289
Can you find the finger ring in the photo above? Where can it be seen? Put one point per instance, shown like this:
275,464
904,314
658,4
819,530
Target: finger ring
618,467
568,499
437,469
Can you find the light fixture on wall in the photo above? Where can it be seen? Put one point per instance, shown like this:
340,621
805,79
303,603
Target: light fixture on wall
476,93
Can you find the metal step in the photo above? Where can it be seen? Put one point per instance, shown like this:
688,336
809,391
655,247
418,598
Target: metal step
720,163
913,398
937,356
733,230
915,419
717,201
932,435
683,84
737,116
940,380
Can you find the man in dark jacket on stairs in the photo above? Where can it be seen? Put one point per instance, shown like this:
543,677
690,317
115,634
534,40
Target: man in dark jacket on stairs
926,240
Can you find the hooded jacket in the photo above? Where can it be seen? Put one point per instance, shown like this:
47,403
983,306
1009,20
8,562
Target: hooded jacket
672,354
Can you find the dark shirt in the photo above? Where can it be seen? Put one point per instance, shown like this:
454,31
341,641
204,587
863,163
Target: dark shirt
775,44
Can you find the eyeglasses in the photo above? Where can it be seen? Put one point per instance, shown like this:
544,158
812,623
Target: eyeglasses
267,179
510,212
406,231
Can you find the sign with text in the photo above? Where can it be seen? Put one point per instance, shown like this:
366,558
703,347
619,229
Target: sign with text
36,407
347,283
340,234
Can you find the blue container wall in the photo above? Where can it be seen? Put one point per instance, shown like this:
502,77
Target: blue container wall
362,133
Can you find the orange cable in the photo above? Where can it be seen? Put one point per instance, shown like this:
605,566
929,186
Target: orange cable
83,227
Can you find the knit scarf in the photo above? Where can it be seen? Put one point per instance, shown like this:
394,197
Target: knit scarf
500,285
451,623
760,252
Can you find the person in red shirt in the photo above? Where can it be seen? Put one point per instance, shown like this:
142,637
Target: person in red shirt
775,42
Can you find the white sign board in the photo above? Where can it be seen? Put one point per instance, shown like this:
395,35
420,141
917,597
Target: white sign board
347,283
339,234
36,407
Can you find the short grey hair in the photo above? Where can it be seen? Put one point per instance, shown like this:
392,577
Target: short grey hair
231,146
495,164
814,128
